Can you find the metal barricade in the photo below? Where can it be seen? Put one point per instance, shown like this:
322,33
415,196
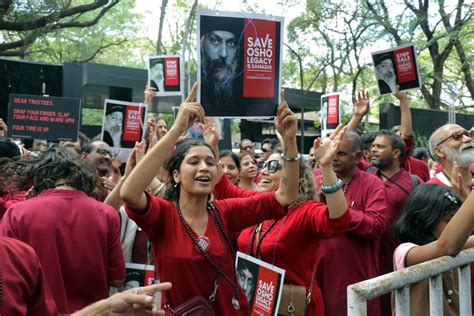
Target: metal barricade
358,294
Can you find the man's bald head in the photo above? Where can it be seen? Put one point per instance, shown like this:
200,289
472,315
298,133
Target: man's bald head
450,143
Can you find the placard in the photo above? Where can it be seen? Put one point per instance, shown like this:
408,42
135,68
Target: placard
165,74
261,282
138,275
239,63
396,66
123,124
43,117
330,113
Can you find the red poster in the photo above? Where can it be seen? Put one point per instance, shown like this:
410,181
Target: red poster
333,110
133,123
266,293
405,64
259,62
171,71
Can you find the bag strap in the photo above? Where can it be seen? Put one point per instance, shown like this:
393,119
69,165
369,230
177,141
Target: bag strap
310,290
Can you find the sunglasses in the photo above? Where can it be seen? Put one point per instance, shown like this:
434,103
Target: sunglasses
458,136
272,166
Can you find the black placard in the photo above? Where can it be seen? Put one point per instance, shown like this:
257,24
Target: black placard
39,117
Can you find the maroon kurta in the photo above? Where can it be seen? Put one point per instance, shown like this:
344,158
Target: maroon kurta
413,165
354,256
77,241
182,264
24,287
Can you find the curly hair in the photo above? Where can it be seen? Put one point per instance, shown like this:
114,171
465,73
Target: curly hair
307,187
42,172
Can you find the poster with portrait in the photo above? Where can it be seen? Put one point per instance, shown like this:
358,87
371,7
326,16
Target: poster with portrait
239,63
138,275
396,66
165,74
330,113
261,282
123,124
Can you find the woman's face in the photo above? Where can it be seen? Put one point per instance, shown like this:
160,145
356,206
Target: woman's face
230,169
248,167
197,174
271,180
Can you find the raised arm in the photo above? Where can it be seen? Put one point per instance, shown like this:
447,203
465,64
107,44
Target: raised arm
361,108
132,191
286,123
453,239
324,153
405,114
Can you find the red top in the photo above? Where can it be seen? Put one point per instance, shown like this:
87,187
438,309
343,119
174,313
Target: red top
304,226
77,241
353,257
182,264
25,290
7,199
413,165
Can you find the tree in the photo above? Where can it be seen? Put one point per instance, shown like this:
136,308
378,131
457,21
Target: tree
26,21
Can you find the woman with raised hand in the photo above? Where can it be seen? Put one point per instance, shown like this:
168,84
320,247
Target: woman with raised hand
189,234
291,243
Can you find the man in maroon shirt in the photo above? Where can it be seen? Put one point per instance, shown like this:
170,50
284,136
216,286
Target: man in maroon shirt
76,237
388,152
354,256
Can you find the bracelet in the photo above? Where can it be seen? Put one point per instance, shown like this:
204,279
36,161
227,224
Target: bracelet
328,189
290,158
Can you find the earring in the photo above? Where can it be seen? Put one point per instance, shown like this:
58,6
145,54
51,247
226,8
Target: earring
175,185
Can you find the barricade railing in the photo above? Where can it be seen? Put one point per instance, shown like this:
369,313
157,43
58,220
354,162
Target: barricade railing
358,294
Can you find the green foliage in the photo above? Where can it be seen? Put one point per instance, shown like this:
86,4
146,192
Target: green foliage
92,116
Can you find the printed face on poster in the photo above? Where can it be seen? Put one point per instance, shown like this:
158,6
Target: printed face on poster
123,125
39,117
239,71
165,74
261,282
138,275
396,66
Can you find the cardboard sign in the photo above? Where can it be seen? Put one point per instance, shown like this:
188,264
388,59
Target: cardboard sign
239,63
330,112
396,66
138,275
261,282
165,74
40,117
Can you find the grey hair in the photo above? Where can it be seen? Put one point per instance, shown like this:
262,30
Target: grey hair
307,187
432,142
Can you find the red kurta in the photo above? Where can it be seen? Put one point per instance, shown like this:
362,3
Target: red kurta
77,241
7,199
25,290
354,256
183,265
292,244
396,198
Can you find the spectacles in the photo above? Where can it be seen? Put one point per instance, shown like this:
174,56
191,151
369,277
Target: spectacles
458,135
104,152
272,166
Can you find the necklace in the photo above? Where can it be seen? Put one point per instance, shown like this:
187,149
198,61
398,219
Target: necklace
215,215
346,185
255,233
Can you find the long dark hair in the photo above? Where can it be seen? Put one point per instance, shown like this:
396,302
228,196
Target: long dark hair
174,163
426,206
232,155
54,164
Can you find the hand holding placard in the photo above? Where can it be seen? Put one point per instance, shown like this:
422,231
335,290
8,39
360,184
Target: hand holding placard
189,112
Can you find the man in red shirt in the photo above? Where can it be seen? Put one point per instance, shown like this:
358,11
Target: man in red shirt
76,237
354,256
449,144
388,151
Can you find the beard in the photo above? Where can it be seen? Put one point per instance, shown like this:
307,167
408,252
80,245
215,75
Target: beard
464,156
218,78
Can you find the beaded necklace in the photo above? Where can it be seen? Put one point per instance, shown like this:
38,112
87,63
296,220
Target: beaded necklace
215,215
256,231
346,185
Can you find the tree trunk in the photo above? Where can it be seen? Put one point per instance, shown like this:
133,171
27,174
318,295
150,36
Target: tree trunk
159,44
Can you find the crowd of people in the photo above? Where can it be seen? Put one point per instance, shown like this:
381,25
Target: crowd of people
364,204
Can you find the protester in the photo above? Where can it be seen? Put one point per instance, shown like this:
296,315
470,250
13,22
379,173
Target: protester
246,147
195,228
76,237
230,165
353,257
268,147
388,152
248,173
434,224
292,242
